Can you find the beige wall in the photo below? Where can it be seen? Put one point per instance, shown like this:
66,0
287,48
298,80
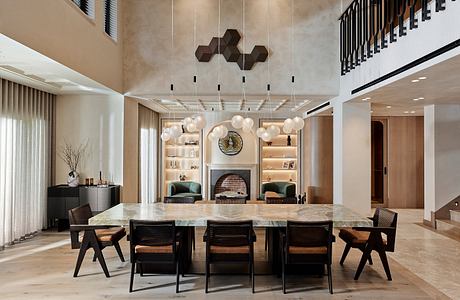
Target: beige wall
317,159
60,31
97,120
130,192
147,40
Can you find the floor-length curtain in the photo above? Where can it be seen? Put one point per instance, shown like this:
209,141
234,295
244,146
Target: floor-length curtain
26,121
148,155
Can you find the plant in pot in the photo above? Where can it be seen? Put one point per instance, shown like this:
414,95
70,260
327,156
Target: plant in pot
73,156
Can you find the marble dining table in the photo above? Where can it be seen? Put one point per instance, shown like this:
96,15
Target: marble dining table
262,215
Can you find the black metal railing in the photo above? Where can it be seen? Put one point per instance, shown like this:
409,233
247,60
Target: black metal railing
365,24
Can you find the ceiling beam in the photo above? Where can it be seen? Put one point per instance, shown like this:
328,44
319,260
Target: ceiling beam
221,104
180,103
282,102
261,103
201,104
300,105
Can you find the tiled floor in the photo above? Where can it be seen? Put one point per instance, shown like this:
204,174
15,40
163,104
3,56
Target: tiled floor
424,266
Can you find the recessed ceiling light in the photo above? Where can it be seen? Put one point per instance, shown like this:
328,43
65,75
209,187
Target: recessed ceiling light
421,98
372,111
422,78
388,106
415,80
416,99
412,111
406,112
366,99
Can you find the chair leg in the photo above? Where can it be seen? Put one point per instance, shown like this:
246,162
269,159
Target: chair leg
94,256
363,261
252,275
345,253
177,275
101,259
207,276
383,258
329,278
131,281
266,238
81,255
283,272
370,259
141,269
193,238
120,253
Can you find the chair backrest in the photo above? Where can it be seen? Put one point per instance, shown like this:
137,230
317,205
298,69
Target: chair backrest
309,234
274,200
229,233
80,215
185,200
386,218
225,200
286,188
152,233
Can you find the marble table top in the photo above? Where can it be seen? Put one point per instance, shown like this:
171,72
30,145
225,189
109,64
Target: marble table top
263,215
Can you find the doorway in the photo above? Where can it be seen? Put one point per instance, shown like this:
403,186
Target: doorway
379,150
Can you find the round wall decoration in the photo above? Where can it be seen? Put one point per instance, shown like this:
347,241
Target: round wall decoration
231,144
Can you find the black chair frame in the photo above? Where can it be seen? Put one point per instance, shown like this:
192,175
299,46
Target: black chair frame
229,234
159,233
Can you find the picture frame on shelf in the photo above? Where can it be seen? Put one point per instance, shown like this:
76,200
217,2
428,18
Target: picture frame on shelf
292,165
285,164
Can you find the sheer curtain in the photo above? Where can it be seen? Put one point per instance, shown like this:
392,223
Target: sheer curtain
148,155
26,118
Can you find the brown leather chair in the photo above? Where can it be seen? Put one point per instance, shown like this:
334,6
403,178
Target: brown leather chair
231,241
368,239
154,242
307,243
96,237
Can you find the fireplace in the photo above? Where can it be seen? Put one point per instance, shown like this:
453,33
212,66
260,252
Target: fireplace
230,180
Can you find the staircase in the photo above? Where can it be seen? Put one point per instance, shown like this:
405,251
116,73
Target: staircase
450,227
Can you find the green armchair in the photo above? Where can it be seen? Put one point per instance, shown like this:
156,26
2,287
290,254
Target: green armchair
185,189
283,189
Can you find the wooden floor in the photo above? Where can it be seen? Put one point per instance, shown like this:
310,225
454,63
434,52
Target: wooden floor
42,268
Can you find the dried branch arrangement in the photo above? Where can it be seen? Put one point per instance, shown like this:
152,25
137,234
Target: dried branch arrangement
72,155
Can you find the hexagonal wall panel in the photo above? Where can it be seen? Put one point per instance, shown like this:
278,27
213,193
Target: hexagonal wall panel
228,46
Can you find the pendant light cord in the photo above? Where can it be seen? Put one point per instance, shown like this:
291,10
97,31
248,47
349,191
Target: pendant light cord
293,97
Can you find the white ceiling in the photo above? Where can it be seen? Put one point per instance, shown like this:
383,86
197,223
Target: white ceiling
24,65
440,86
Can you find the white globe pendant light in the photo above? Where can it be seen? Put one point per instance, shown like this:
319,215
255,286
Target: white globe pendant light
200,122
165,136
287,130
187,121
288,124
176,131
218,131
211,136
266,137
273,130
298,123
224,131
248,123
260,131
237,121
191,127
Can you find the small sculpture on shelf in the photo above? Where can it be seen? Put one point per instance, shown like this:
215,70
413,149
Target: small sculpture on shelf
289,140
269,143
182,177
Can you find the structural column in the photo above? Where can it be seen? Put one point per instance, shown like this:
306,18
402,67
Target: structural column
352,156
442,160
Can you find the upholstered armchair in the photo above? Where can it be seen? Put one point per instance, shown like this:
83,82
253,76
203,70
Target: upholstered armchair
185,189
283,189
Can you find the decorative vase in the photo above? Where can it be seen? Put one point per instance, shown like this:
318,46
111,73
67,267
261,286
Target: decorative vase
73,179
288,140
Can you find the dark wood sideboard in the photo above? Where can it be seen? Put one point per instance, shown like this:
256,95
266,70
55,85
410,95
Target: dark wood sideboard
61,198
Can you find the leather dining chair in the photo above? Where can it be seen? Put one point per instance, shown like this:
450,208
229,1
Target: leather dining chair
154,242
229,242
96,237
368,239
307,243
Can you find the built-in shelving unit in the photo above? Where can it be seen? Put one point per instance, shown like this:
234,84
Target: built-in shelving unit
279,160
181,156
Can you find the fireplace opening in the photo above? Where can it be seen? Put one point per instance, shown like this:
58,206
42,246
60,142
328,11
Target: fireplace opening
231,183
237,181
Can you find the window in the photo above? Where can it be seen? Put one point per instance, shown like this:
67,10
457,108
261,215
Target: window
110,15
86,6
